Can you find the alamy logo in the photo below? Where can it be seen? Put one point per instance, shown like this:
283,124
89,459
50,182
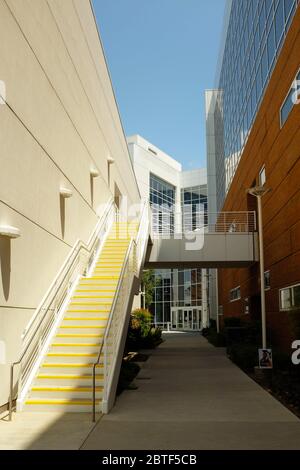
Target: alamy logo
296,354
296,94
2,92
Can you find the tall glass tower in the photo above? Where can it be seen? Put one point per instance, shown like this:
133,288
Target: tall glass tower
254,35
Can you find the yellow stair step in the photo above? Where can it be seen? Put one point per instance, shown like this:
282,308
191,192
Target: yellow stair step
65,388
90,327
75,345
85,318
69,376
78,335
68,364
60,402
60,354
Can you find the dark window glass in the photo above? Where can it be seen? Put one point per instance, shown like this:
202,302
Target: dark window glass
271,45
264,65
279,22
289,5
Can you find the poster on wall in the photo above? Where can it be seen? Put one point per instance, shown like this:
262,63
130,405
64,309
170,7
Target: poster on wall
265,359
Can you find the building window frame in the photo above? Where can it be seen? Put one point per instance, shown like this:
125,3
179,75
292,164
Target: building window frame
291,290
267,280
294,88
262,176
235,294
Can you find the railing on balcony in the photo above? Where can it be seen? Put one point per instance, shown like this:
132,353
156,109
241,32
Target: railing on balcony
168,223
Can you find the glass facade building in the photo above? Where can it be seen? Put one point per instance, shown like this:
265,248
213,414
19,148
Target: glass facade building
255,33
175,287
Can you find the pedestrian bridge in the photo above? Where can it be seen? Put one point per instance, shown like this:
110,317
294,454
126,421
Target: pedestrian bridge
232,241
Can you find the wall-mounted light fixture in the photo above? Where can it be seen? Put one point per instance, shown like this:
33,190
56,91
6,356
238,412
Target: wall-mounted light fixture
65,192
94,172
9,231
110,160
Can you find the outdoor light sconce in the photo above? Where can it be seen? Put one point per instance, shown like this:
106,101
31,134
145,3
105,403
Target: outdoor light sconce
94,172
65,193
9,231
110,160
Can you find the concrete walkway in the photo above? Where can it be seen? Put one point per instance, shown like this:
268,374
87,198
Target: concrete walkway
190,396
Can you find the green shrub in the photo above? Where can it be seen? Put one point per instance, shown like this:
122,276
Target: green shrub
281,360
153,338
141,318
245,355
141,332
217,339
232,321
128,372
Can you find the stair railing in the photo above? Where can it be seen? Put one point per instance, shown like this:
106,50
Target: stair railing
113,332
37,331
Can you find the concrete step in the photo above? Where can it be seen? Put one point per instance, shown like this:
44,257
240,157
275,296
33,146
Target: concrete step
64,367
78,337
72,406
43,379
90,297
89,307
94,290
59,357
84,329
64,391
75,347
84,320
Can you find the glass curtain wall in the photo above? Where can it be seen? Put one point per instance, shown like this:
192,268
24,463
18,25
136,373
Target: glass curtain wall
175,287
255,34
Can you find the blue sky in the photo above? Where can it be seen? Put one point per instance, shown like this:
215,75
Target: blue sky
162,55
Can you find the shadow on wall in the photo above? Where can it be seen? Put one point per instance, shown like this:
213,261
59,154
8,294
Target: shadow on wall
5,262
62,203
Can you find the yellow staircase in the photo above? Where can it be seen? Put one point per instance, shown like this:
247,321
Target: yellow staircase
64,378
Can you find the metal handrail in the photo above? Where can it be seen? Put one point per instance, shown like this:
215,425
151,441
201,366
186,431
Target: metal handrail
118,288
179,222
80,246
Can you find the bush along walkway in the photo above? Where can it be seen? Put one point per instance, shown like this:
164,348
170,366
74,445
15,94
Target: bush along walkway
242,341
141,335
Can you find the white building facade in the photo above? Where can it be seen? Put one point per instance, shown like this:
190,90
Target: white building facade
176,196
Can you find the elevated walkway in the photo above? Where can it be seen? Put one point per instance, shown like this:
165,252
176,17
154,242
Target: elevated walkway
232,241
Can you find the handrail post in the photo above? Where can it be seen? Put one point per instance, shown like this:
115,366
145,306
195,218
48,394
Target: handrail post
94,393
11,392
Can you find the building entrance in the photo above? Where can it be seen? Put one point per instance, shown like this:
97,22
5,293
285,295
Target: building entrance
186,318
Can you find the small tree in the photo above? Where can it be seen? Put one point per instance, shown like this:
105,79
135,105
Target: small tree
148,286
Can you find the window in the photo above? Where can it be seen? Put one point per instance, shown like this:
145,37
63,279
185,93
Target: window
262,176
291,100
235,294
267,280
289,297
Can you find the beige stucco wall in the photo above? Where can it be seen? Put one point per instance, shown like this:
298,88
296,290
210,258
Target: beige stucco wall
60,119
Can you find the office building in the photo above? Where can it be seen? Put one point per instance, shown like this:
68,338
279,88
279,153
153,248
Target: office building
176,197
253,135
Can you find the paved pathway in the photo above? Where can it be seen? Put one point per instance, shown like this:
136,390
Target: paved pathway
191,396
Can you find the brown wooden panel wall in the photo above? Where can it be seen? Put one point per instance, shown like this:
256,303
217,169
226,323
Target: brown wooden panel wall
279,150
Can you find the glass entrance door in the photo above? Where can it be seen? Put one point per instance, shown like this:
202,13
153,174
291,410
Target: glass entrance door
186,318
